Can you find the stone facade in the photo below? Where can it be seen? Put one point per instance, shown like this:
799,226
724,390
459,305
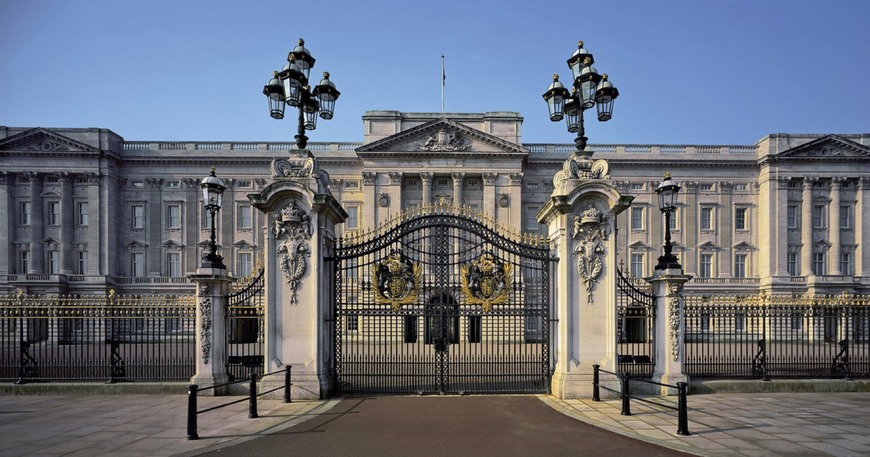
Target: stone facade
86,210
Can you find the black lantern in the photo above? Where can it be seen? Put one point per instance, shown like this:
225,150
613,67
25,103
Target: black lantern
275,93
293,82
667,192
212,196
590,89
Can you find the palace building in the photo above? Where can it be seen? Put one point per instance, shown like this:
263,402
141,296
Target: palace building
86,210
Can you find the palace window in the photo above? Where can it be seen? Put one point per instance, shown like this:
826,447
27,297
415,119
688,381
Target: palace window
25,261
83,262
791,216
819,216
819,268
791,264
53,262
740,219
846,263
137,264
244,219
845,216
243,264
637,218
53,213
138,216
637,186
740,266
705,269
706,218
83,211
173,216
173,264
636,265
25,213
672,221
739,322
352,217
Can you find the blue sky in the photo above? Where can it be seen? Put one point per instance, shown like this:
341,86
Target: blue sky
688,72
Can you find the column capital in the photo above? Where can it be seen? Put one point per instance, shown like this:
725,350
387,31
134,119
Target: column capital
516,179
489,178
396,177
809,182
457,176
837,182
864,183
426,176
369,178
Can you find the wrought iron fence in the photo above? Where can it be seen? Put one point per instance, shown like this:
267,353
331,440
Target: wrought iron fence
762,337
97,337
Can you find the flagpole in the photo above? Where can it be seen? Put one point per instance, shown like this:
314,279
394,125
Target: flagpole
443,78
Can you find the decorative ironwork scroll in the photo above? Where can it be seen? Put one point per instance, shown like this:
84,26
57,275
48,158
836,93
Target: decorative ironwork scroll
674,319
591,233
396,280
205,322
292,228
486,281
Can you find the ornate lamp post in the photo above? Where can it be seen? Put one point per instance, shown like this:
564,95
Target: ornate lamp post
590,89
290,87
212,195
667,191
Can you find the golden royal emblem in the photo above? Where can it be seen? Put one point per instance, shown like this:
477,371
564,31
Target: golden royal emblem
486,281
396,281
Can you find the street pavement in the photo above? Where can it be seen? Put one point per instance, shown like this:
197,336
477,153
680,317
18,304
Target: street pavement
733,424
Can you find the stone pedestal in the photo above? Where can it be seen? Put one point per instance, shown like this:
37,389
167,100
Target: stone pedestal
299,278
581,215
212,288
668,336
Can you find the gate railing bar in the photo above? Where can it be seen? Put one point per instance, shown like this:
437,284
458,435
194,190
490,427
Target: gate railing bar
625,396
251,398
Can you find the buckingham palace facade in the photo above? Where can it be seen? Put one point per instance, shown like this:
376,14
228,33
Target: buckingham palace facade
85,210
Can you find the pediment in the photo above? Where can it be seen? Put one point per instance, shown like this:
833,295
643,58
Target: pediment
45,141
822,245
828,147
50,240
137,244
639,246
171,244
743,246
442,137
707,246
242,244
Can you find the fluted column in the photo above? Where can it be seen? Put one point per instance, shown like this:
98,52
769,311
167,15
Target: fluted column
834,226
395,193
489,180
515,210
370,178
807,227
426,182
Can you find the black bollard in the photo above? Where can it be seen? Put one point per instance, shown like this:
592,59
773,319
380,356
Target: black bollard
252,399
191,412
596,395
682,411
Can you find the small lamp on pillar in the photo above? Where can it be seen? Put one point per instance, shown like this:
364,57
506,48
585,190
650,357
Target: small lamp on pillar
212,194
667,191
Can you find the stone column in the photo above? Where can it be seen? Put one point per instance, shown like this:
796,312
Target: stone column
690,215
426,182
834,227
10,217
370,179
212,288
68,223
515,208
668,336
489,180
154,216
862,228
95,224
37,224
395,191
725,230
807,227
457,188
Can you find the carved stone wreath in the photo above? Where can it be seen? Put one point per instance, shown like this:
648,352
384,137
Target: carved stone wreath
486,281
591,232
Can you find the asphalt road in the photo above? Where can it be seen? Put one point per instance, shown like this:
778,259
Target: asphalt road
477,426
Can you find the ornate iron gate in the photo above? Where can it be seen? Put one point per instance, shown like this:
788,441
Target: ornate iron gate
636,313
244,328
442,300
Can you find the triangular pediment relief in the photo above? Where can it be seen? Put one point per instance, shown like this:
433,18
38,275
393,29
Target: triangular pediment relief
677,246
442,137
243,244
822,245
45,141
828,147
172,244
639,246
707,246
743,246
50,240
137,244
